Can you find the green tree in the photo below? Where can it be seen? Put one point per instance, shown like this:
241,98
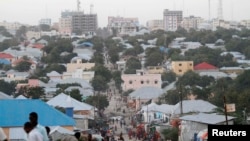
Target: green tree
35,92
99,83
8,87
23,66
171,134
75,93
99,101
101,70
116,75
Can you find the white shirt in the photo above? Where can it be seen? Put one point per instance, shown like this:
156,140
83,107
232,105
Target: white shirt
35,135
2,135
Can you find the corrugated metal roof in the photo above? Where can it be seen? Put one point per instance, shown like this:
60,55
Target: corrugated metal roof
5,96
62,100
207,118
17,133
15,112
147,92
194,106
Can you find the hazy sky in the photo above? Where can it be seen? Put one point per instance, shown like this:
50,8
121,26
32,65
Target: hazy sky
31,11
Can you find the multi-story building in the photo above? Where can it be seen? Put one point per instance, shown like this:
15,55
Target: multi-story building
85,23
123,26
155,25
33,34
191,22
45,21
245,23
140,79
11,26
77,22
181,67
65,23
77,64
171,20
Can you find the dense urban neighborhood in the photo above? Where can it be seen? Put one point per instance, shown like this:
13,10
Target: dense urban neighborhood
166,81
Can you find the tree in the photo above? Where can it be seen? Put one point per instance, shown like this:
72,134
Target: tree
7,87
99,101
133,63
99,83
23,66
171,134
154,59
75,93
101,70
35,92
116,75
44,27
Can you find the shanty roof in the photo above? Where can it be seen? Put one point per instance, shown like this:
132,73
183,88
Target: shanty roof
15,112
207,118
63,100
147,92
189,106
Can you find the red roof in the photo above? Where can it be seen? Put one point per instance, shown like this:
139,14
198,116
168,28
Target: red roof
204,66
5,55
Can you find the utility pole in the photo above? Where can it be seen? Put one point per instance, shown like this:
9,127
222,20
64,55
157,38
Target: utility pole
181,108
225,109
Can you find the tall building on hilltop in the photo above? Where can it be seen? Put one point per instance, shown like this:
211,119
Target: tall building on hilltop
172,20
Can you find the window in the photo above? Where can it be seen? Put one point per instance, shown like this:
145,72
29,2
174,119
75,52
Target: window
142,82
180,70
130,81
191,64
180,64
147,81
156,82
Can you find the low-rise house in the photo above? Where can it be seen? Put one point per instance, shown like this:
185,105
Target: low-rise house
141,79
79,73
232,70
53,75
153,112
181,67
21,60
155,69
78,64
192,106
192,124
144,94
5,96
13,75
204,66
7,56
17,114
79,108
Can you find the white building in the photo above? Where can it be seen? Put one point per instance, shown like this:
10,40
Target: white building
123,26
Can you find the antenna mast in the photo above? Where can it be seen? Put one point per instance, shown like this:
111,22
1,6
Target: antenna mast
220,11
78,6
209,10
91,8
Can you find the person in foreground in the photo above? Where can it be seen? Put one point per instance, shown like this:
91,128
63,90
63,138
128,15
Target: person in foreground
33,117
32,133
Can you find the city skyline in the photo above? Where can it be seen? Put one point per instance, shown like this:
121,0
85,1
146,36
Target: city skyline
31,11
